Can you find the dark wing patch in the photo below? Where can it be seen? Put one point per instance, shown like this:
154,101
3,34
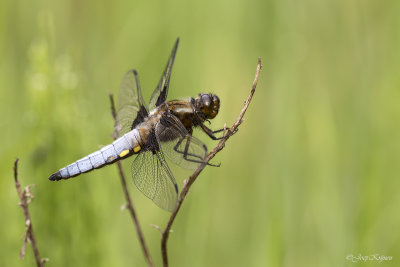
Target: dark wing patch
131,107
178,145
159,95
142,113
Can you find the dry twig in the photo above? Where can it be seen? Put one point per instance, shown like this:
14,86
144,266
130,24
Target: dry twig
193,177
129,204
26,197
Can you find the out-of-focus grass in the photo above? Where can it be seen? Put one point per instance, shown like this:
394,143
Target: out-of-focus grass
311,176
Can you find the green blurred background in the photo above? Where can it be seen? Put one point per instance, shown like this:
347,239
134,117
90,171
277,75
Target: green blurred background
311,177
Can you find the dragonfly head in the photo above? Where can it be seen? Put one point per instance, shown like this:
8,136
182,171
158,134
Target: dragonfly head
207,106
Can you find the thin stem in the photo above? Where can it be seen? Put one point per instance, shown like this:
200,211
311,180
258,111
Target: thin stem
193,177
25,196
129,204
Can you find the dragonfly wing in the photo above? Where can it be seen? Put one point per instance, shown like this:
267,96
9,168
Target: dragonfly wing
159,95
131,107
154,179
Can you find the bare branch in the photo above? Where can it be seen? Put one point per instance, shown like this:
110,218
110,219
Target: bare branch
193,177
129,204
26,197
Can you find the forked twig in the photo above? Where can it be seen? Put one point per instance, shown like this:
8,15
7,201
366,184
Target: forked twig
193,177
26,197
127,195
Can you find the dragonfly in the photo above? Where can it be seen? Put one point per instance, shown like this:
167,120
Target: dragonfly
163,131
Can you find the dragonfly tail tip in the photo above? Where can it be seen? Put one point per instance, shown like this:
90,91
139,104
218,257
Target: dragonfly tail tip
55,177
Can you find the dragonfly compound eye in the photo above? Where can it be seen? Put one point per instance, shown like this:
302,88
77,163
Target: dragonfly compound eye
208,105
206,100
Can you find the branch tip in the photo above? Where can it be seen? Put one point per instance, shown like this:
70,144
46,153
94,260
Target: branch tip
26,197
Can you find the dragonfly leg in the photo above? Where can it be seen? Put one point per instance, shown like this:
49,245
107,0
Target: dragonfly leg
211,133
186,153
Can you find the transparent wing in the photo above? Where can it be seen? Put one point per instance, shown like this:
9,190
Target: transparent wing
178,145
160,93
131,106
154,179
